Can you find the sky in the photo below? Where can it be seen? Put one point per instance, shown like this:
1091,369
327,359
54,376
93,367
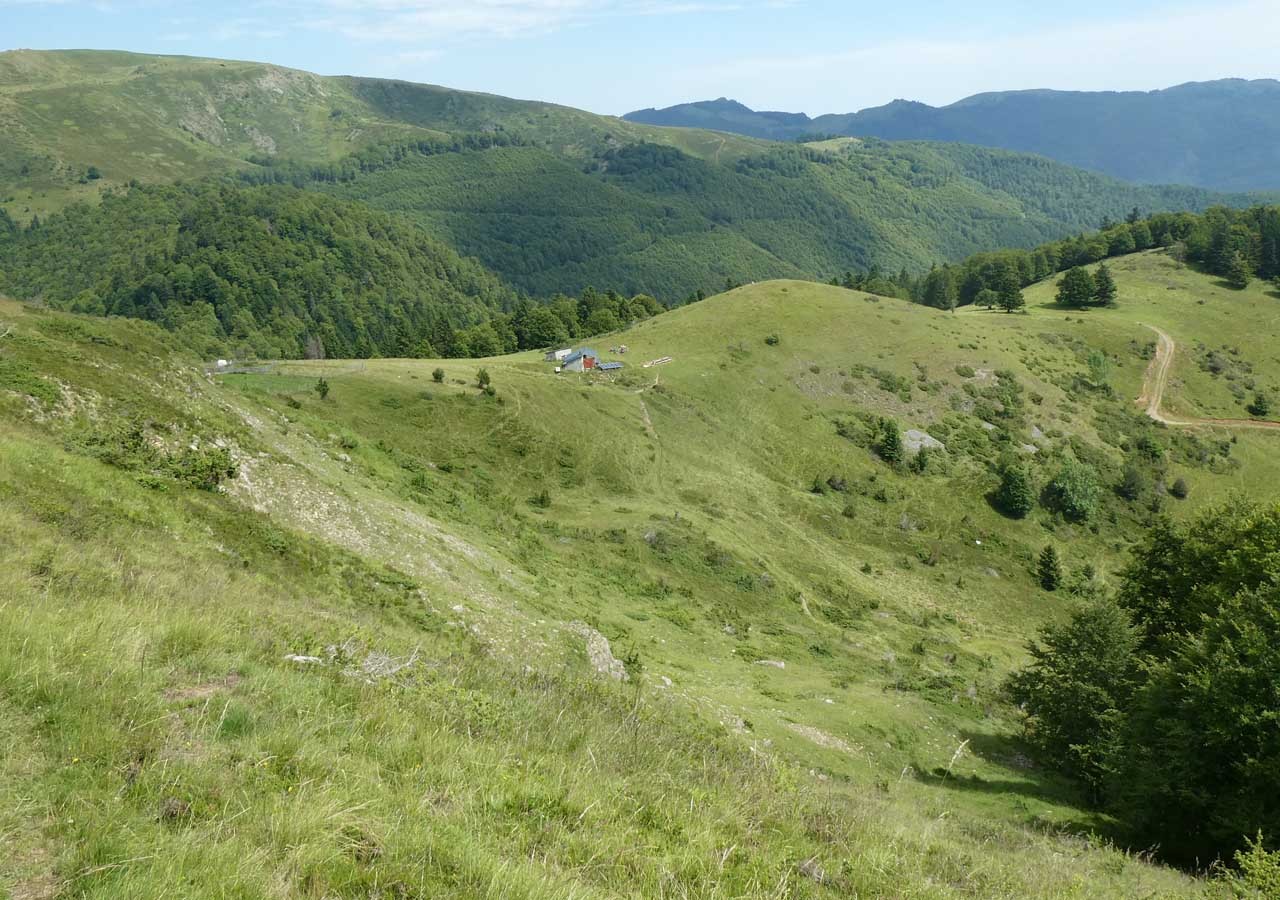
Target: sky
613,56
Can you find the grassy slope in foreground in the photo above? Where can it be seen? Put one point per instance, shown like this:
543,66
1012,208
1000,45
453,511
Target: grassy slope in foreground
155,733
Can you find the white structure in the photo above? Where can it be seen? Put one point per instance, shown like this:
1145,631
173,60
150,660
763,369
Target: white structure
559,355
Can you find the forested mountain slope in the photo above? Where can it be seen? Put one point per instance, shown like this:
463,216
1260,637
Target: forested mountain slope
648,218
549,199
1219,134
266,271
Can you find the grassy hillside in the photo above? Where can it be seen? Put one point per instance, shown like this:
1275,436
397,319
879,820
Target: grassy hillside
1224,336
160,118
812,703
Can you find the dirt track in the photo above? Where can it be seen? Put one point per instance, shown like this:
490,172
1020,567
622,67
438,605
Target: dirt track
1157,379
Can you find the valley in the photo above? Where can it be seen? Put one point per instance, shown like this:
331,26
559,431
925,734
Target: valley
411,492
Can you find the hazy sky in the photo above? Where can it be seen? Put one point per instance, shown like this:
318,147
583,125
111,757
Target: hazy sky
612,56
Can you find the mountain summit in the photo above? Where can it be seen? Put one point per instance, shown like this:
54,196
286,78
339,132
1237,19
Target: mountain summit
1218,134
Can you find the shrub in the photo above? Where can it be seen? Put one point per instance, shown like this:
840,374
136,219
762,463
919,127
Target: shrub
1133,484
1081,677
1258,872
322,388
482,378
205,468
1180,489
1260,407
1074,491
438,376
771,340
541,500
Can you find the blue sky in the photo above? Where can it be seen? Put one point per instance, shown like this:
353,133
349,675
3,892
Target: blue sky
611,56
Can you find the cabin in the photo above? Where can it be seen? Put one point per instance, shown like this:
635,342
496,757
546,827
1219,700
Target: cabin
558,355
581,360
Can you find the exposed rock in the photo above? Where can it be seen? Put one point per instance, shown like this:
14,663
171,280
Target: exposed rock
822,739
987,426
914,440
173,809
602,658
776,663
811,869
263,141
1029,448
1036,433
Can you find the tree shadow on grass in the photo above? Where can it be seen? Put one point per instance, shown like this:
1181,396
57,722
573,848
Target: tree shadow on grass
1027,780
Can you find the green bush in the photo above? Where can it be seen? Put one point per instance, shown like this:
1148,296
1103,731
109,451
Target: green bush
1199,763
205,468
1081,678
1074,492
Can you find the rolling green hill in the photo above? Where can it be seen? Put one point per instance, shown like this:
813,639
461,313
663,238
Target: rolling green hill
1218,134
369,654
159,118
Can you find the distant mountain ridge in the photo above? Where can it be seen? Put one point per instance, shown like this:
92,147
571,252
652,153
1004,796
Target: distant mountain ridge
1223,134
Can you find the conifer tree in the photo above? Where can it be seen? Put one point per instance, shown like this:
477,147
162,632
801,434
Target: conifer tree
1104,286
1238,273
1049,569
1015,497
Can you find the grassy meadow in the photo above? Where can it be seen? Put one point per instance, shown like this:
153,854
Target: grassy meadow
813,641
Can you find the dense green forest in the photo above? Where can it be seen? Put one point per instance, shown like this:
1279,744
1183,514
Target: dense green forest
273,271
264,271
653,219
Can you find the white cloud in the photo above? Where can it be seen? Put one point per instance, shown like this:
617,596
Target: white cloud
447,20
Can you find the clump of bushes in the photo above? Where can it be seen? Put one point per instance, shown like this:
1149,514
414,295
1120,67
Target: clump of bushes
1074,492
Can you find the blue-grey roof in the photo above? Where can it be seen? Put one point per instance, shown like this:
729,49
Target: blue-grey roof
578,354
610,366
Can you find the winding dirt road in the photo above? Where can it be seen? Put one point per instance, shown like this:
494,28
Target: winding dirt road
1157,379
